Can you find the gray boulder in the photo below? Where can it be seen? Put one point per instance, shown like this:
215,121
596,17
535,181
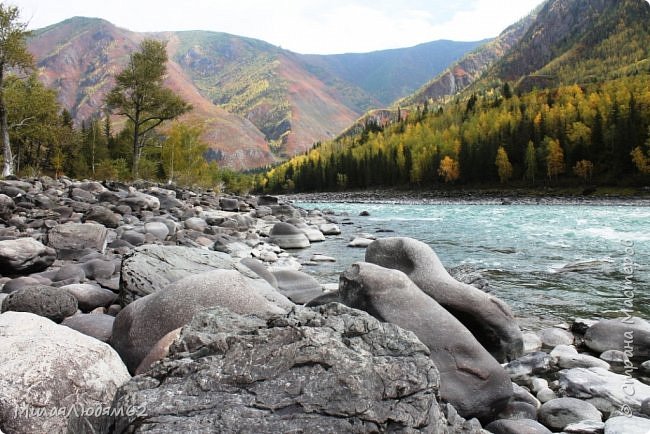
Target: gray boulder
145,321
287,236
150,268
7,207
24,256
19,283
631,336
141,201
260,269
229,204
75,240
522,426
627,425
196,224
158,229
63,369
96,325
90,296
471,379
69,273
558,413
297,286
52,303
98,268
529,364
609,391
329,229
102,215
334,370
585,427
567,357
284,211
488,318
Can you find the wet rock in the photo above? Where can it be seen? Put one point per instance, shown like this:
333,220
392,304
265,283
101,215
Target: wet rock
287,236
62,369
46,301
345,372
329,229
488,318
560,412
75,240
612,334
471,379
145,321
24,256
322,258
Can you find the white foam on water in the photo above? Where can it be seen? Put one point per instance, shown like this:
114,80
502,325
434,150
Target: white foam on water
611,234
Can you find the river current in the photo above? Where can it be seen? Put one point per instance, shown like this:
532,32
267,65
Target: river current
551,263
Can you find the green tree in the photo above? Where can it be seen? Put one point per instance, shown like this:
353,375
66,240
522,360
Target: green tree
182,154
504,167
141,96
13,55
531,162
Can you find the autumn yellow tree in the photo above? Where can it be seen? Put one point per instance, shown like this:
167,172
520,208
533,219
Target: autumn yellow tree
531,161
504,167
584,169
640,158
554,159
449,169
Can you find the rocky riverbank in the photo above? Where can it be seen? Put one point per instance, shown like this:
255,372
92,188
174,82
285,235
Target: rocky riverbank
133,308
639,197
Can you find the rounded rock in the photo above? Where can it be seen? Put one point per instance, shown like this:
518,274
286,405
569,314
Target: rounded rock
25,256
522,426
98,326
52,303
558,413
90,297
287,236
552,337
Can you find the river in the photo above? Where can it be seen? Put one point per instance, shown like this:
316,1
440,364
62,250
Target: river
551,263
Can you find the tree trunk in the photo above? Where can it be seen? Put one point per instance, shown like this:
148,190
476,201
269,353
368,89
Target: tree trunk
8,165
136,148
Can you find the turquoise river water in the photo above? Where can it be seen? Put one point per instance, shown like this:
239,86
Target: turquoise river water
551,263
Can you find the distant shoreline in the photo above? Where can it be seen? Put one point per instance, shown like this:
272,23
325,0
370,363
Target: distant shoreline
474,197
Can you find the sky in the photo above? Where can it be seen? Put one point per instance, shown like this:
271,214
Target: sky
303,26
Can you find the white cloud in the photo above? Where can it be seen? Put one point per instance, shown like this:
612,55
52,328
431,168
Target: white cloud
313,26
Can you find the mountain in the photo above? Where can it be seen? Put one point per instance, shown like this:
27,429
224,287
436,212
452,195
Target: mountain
565,100
258,102
580,41
468,69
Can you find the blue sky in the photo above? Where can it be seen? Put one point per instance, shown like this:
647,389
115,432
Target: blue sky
307,26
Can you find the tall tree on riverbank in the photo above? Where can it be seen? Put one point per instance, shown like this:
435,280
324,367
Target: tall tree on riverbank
504,167
13,54
141,96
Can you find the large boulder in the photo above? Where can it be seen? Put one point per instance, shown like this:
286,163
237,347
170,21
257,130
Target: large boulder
471,379
150,268
7,207
297,286
49,302
488,318
630,335
48,370
608,391
287,236
558,413
334,369
102,215
24,256
76,240
145,321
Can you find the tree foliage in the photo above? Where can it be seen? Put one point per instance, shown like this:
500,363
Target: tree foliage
504,167
140,95
13,55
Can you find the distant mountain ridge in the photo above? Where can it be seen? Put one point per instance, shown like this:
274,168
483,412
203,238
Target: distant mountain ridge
258,102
